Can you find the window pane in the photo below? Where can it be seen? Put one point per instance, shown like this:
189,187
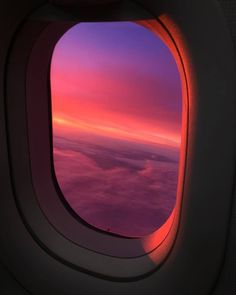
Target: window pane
116,109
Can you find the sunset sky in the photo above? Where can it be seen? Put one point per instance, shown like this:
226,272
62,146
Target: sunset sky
116,93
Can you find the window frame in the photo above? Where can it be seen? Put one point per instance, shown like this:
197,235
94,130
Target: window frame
48,204
192,197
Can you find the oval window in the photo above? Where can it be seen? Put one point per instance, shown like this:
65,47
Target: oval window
116,110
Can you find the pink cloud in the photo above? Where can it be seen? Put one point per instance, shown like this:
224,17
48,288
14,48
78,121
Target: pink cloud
131,197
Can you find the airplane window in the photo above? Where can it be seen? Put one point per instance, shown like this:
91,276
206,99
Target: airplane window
116,120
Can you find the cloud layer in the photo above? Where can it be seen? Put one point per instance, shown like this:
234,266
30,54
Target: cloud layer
124,190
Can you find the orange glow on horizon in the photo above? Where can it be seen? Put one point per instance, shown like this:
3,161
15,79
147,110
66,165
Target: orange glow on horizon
73,126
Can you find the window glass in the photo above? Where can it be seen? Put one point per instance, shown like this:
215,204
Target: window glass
116,118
